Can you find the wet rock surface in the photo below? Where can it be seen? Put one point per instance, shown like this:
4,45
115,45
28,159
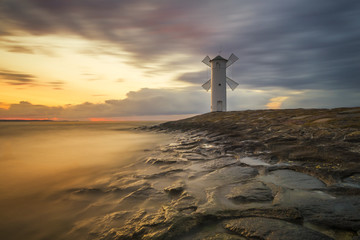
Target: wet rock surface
324,141
250,192
271,229
287,174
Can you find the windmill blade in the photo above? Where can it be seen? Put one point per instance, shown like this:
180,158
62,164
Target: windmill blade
207,61
231,60
207,85
232,84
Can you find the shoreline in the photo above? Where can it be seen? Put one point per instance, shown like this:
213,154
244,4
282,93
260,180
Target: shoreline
233,175
323,142
294,173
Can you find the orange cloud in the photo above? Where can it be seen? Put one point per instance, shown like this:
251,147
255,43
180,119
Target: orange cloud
102,119
4,105
276,102
145,102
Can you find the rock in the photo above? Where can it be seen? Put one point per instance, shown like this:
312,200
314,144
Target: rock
175,189
253,162
304,135
292,179
193,156
222,173
341,213
322,120
153,160
163,173
144,193
167,223
343,190
185,202
271,229
304,154
353,180
323,209
250,192
231,174
223,236
211,165
283,213
352,137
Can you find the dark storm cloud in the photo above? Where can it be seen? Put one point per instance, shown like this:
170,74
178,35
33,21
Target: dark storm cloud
146,29
288,44
300,45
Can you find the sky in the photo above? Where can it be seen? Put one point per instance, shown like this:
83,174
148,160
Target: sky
141,60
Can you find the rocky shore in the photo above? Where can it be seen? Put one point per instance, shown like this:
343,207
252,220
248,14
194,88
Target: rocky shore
321,142
264,174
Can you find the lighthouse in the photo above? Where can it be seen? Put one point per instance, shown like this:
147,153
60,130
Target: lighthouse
218,81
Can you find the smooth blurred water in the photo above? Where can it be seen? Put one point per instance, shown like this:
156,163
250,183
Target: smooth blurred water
39,160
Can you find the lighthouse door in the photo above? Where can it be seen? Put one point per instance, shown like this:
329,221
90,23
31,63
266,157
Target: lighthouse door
219,106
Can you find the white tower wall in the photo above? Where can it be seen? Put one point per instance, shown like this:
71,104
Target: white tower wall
218,85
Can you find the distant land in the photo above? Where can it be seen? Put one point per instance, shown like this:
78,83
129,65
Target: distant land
22,120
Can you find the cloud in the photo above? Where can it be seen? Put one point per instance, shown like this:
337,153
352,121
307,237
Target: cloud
160,102
16,78
16,46
197,78
27,110
99,95
4,105
26,79
142,28
120,80
298,45
323,99
141,103
149,103
145,102
56,85
19,49
276,102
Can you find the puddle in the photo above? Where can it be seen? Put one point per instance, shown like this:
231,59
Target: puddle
220,177
253,161
299,197
292,179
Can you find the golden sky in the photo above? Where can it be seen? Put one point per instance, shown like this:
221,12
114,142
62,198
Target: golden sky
60,71
90,59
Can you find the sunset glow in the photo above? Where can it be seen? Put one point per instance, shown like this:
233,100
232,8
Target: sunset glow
108,60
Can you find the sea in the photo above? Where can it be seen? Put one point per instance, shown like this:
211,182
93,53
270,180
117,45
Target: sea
41,163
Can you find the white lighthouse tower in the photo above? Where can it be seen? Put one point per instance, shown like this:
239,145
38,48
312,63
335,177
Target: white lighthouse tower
218,81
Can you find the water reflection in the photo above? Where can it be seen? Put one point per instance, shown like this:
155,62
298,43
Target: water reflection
41,162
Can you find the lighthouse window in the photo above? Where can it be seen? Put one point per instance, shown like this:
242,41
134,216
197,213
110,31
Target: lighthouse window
219,84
